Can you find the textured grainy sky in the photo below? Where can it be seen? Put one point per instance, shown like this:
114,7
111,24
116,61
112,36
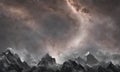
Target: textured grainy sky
60,27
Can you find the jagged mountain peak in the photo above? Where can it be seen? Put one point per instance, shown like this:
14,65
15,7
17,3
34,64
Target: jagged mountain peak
9,51
47,56
91,59
71,66
47,60
10,62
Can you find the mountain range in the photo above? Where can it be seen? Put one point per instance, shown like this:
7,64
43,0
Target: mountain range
11,62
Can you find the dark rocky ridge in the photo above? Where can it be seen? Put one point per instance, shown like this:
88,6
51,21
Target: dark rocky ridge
10,62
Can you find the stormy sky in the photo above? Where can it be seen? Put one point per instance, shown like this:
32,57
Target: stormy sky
60,27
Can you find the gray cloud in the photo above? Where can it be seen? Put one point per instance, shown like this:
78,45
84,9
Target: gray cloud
59,27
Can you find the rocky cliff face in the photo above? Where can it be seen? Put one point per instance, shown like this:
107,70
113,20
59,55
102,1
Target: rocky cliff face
47,60
10,62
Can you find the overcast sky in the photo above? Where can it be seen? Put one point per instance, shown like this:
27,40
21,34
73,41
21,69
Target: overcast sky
60,27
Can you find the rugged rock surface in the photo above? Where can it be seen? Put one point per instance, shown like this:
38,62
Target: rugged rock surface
81,61
71,66
47,60
90,59
10,62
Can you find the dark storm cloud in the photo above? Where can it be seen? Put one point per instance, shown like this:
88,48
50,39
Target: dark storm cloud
102,6
99,26
53,26
105,20
38,26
